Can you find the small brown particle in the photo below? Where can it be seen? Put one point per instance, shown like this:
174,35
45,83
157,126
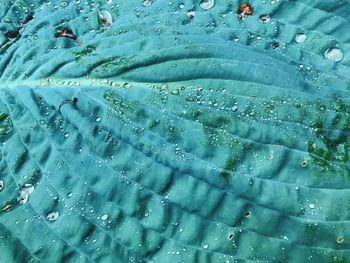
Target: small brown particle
246,9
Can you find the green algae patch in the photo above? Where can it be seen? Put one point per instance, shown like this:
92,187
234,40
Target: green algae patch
339,259
5,125
116,64
229,169
3,116
328,151
88,50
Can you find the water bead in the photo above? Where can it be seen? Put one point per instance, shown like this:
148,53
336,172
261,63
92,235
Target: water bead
64,4
147,3
207,4
190,14
234,108
340,239
264,19
334,54
126,85
300,38
312,206
22,199
105,18
52,216
27,189
104,217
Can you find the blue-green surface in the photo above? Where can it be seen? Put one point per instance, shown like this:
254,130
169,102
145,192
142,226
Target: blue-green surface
193,140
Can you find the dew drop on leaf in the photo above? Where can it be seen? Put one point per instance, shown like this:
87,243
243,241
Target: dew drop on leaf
23,198
264,19
207,4
147,3
104,217
334,54
234,108
190,14
52,216
105,18
340,239
300,38
27,189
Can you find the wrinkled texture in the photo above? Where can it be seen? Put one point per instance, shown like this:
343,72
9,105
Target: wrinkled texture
193,140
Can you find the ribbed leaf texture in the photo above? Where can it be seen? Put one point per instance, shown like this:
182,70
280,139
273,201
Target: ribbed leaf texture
195,137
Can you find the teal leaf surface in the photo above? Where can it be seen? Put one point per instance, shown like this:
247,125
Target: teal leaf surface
174,131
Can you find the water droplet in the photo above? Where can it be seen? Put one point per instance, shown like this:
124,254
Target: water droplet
126,85
339,239
334,54
66,135
22,199
190,14
231,236
6,208
312,206
52,216
147,3
234,108
205,246
27,189
207,4
104,217
1,184
275,45
181,6
300,38
175,92
105,18
64,4
264,19
98,119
